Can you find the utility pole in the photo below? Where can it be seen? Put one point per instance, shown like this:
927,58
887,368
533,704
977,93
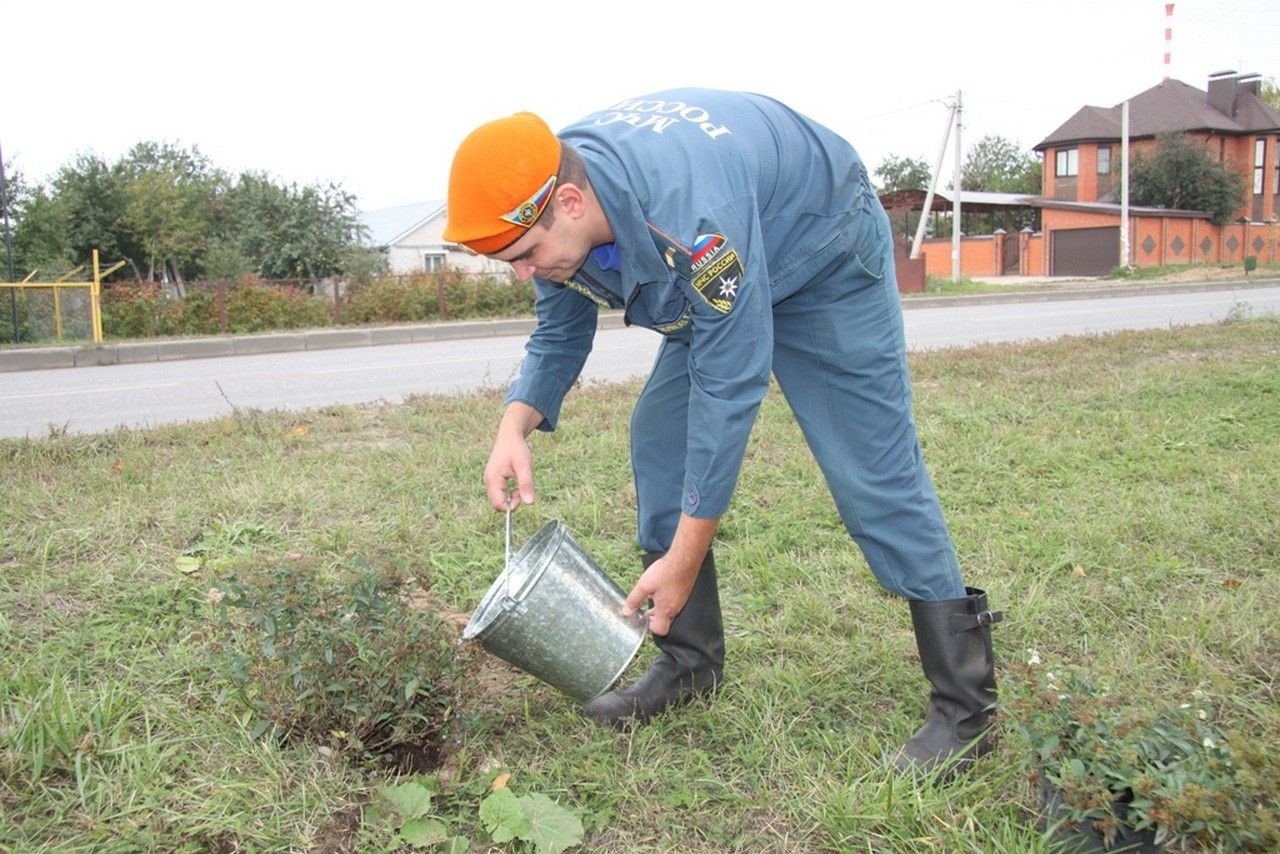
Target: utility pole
8,246
955,205
1124,184
933,186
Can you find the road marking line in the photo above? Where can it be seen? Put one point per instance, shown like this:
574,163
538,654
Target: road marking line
103,390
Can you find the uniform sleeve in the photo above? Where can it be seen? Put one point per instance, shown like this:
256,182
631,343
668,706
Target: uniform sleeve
731,354
556,351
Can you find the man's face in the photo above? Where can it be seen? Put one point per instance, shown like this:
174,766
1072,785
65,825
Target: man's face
553,252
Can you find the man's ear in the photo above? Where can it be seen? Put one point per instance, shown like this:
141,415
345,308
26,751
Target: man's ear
571,200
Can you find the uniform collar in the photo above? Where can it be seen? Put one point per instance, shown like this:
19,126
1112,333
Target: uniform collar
641,262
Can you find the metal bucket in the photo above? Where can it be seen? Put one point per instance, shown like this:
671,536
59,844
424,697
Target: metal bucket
556,615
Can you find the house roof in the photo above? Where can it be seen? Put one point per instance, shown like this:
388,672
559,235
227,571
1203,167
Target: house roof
972,201
386,226
1168,106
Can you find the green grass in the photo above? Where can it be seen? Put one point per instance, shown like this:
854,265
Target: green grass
1210,271
943,286
1116,495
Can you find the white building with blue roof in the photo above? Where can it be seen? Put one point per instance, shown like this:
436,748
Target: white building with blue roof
412,239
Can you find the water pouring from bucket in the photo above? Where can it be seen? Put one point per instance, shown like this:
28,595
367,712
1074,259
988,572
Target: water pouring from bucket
555,614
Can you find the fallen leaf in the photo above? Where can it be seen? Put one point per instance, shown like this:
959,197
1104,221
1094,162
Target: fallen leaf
500,782
188,564
1231,583
117,468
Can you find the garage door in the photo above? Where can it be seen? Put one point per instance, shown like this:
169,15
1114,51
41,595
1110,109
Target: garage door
1085,251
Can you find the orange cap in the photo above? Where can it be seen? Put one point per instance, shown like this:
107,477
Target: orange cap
501,181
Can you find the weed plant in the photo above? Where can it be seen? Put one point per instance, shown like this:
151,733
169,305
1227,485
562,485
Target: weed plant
1115,495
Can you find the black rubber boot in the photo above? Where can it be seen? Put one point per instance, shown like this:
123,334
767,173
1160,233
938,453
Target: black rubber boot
691,663
954,639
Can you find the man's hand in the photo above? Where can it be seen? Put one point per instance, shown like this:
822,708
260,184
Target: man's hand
511,457
669,580
668,584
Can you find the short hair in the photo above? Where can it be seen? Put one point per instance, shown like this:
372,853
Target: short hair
572,171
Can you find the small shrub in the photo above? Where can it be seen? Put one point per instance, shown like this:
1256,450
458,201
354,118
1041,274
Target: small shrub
446,295
1172,769
254,307
392,299
350,665
135,310
485,296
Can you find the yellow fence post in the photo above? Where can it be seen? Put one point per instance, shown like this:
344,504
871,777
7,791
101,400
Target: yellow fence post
94,286
95,303
57,312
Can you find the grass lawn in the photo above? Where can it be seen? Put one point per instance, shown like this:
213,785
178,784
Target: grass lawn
1118,496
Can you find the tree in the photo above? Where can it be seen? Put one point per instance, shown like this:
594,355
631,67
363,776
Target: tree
1271,93
40,236
91,199
172,202
1181,175
174,216
903,173
998,165
288,231
13,195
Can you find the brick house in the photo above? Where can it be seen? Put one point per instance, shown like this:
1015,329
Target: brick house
1080,206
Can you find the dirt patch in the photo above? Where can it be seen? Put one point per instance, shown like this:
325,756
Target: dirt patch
421,599
487,675
1204,274
338,835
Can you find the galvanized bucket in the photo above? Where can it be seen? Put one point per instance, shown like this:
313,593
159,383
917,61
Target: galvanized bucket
556,615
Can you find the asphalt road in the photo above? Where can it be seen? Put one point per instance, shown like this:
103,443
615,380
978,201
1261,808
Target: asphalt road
94,399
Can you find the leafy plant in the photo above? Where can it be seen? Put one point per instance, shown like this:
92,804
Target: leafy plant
351,665
1116,766
534,818
1182,175
416,826
253,306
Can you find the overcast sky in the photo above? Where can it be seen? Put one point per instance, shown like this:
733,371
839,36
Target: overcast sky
376,95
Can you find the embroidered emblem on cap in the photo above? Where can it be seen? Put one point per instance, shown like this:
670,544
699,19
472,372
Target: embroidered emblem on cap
527,212
717,271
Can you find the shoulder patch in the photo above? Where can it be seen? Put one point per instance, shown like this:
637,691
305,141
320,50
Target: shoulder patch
717,271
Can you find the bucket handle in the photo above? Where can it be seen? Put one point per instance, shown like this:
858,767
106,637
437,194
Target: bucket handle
508,561
509,601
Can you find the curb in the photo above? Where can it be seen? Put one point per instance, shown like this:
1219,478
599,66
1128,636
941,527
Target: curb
132,352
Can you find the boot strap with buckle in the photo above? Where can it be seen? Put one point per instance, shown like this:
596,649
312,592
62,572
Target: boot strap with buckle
969,622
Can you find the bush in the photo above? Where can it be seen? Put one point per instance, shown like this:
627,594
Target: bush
145,309
1117,765
392,299
484,296
137,310
255,307
351,665
419,297
1180,174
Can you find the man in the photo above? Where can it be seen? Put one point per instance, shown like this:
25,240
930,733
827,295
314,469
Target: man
751,238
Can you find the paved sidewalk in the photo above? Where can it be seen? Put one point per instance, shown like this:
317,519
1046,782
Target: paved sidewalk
171,349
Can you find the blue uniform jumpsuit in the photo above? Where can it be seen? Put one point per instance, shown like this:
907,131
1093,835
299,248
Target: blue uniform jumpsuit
752,239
